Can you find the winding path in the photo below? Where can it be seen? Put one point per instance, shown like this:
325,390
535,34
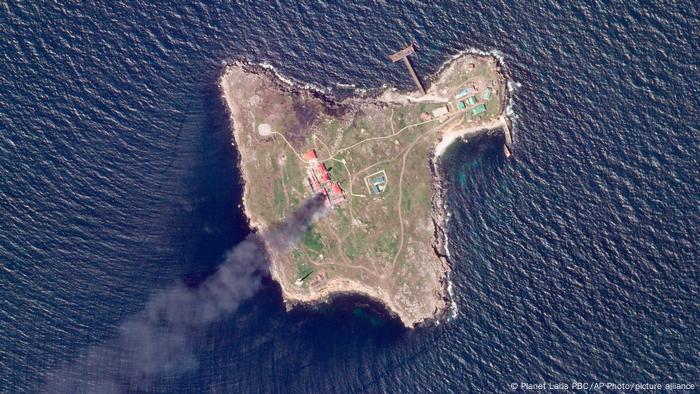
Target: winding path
351,177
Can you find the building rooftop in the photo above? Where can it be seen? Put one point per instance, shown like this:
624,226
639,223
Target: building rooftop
310,155
478,109
440,111
463,92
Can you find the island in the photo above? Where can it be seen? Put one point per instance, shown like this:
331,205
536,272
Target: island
375,159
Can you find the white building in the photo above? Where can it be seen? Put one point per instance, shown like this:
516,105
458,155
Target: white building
440,111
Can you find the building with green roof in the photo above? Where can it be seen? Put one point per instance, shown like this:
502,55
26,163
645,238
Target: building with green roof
472,100
481,108
487,94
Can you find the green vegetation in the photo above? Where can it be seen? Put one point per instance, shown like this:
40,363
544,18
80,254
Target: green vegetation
279,198
331,132
304,271
343,221
401,121
406,199
292,171
388,244
350,250
312,240
350,136
355,244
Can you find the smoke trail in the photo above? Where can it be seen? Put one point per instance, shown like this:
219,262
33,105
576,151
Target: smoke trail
154,342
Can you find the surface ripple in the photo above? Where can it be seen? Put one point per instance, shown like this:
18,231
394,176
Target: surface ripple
574,261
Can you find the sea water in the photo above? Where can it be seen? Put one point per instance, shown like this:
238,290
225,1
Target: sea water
574,260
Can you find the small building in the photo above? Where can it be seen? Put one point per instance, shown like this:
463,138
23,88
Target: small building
461,105
472,100
313,184
310,155
376,183
378,179
425,116
322,171
487,94
463,92
336,195
440,111
479,109
313,180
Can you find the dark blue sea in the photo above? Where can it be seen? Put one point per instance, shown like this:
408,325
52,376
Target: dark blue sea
574,261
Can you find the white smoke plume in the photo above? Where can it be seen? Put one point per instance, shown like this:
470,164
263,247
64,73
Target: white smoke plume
154,342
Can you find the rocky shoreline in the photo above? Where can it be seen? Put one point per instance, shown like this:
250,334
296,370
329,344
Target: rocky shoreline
257,225
339,108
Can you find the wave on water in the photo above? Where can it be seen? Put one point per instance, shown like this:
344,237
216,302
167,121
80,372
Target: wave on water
337,92
294,82
454,308
500,56
355,90
513,86
539,272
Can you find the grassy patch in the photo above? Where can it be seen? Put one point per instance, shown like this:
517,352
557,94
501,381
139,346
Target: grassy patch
343,221
294,180
294,201
405,200
350,250
354,246
363,124
340,156
292,171
304,271
337,171
279,198
312,240
350,136
401,121
388,244
331,132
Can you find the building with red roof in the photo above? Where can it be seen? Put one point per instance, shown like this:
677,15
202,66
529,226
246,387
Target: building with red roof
310,155
337,194
319,179
323,172
336,189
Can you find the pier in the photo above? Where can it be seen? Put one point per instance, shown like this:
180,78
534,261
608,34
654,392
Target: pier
403,54
508,131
